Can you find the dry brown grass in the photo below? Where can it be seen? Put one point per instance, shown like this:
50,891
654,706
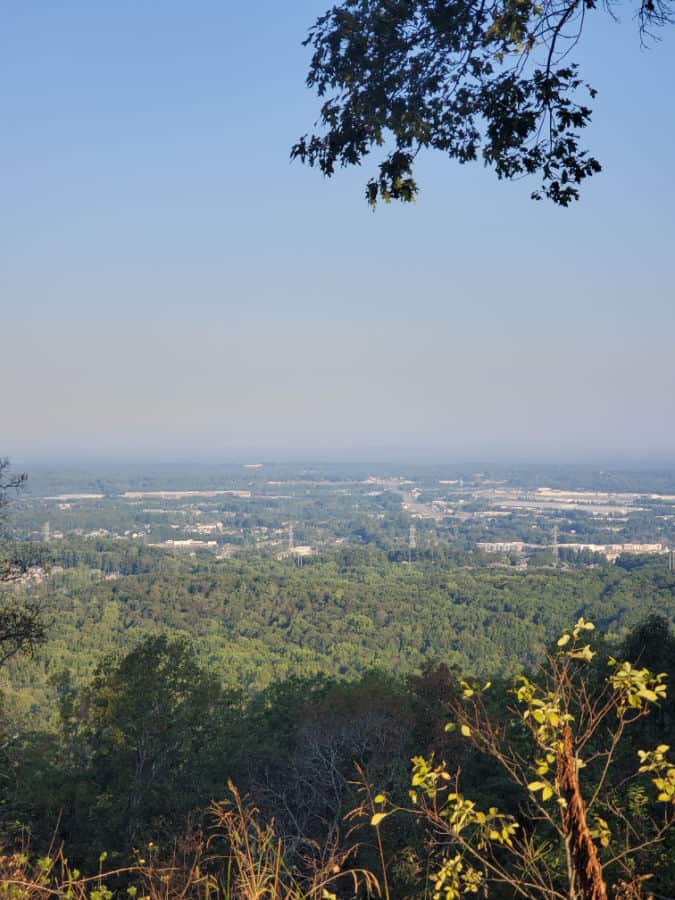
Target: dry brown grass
241,858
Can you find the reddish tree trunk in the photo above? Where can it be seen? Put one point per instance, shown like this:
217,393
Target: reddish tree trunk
586,866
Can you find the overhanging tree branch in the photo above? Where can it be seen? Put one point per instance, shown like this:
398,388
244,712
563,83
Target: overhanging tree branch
486,79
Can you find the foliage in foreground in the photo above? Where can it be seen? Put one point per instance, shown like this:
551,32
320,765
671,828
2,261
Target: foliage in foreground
574,832
545,787
240,857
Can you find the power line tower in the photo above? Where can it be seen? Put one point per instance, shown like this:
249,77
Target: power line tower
46,533
412,542
556,549
671,560
290,537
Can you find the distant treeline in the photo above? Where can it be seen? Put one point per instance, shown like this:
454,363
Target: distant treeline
45,480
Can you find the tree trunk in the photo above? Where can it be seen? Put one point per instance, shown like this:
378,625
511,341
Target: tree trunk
587,882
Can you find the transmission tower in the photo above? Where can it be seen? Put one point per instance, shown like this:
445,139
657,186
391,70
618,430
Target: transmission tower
556,554
290,536
46,533
412,542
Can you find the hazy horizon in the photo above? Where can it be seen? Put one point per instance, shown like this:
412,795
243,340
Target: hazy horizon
352,456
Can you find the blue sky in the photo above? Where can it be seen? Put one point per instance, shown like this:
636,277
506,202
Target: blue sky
172,287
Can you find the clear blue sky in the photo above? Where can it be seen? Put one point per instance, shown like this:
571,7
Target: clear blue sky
173,287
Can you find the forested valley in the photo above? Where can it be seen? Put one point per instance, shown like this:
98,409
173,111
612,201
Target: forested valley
255,620
168,683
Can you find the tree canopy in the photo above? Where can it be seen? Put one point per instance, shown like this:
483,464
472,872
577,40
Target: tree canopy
22,627
476,79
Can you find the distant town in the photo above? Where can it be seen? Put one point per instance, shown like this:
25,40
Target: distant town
298,512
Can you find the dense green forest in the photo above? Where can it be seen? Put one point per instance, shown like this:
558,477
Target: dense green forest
254,620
